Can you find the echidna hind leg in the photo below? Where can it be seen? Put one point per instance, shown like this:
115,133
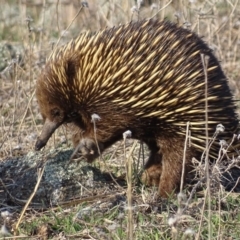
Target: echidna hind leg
172,160
170,178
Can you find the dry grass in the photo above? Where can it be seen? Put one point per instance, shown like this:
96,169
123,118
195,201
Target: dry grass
28,32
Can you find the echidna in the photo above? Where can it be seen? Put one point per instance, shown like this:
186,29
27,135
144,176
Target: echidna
146,77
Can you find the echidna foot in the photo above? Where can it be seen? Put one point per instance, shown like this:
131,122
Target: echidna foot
88,149
151,176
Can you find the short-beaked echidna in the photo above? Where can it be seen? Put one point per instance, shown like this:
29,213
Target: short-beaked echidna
146,77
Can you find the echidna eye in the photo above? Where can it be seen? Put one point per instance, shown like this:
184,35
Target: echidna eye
55,112
71,116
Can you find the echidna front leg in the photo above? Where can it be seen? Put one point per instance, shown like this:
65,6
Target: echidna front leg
153,169
85,146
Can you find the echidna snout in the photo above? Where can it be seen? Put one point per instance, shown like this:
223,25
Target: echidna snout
48,129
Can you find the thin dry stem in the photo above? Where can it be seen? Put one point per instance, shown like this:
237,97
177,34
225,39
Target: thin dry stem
161,9
128,164
208,192
40,174
70,24
184,157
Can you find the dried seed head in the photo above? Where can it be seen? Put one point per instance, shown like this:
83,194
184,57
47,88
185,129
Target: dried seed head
154,6
134,9
172,221
84,4
223,143
127,134
95,117
220,128
189,232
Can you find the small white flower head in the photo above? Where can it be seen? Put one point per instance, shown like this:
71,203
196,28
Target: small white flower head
63,139
121,215
234,136
220,128
134,9
224,19
223,143
154,6
4,231
127,134
172,221
182,198
28,19
64,33
224,151
205,60
95,117
84,4
139,3
187,25
178,14
17,147
14,60
127,208
6,214
189,232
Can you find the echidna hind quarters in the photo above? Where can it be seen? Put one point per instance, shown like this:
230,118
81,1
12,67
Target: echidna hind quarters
146,77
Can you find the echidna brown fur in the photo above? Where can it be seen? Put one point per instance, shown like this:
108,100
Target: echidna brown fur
146,77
